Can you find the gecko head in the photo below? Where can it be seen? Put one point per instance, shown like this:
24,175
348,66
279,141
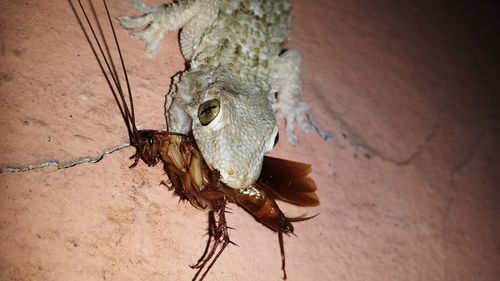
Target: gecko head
234,128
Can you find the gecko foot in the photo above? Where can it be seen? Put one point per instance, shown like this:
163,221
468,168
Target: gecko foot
297,112
158,21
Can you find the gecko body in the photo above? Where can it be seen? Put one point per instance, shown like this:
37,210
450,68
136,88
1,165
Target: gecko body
239,82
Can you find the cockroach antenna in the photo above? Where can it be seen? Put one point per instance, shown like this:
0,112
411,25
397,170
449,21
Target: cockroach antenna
106,63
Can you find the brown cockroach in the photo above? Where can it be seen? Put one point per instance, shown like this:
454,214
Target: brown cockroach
190,178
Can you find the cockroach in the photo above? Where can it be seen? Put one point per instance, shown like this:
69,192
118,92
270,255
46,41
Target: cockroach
189,176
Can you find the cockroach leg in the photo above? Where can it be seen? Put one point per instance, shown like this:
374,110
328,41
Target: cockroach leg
212,195
286,231
224,236
220,235
175,181
185,152
282,251
226,242
136,161
167,184
214,181
211,233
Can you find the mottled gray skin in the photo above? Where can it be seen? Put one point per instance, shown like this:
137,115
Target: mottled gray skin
234,49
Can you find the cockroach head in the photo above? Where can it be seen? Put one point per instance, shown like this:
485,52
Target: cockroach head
146,147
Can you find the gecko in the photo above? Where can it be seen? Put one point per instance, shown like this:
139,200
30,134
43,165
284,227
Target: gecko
239,81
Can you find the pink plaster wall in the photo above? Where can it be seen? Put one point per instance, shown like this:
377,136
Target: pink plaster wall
409,186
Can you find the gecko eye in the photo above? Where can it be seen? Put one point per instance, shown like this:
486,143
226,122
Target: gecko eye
208,111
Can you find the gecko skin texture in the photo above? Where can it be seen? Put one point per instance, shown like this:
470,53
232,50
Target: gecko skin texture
234,51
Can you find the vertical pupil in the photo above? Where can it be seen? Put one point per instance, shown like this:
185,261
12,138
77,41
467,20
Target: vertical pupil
208,111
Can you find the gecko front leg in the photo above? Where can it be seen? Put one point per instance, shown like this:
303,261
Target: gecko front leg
285,79
159,20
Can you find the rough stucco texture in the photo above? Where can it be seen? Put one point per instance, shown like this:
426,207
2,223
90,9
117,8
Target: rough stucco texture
409,186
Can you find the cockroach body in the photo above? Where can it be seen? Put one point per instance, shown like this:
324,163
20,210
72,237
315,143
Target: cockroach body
192,180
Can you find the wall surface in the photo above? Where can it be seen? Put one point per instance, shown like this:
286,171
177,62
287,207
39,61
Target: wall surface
409,186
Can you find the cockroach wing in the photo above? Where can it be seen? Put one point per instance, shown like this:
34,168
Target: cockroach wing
288,181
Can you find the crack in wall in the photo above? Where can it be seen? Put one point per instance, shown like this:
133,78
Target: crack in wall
457,168
409,159
359,143
63,164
